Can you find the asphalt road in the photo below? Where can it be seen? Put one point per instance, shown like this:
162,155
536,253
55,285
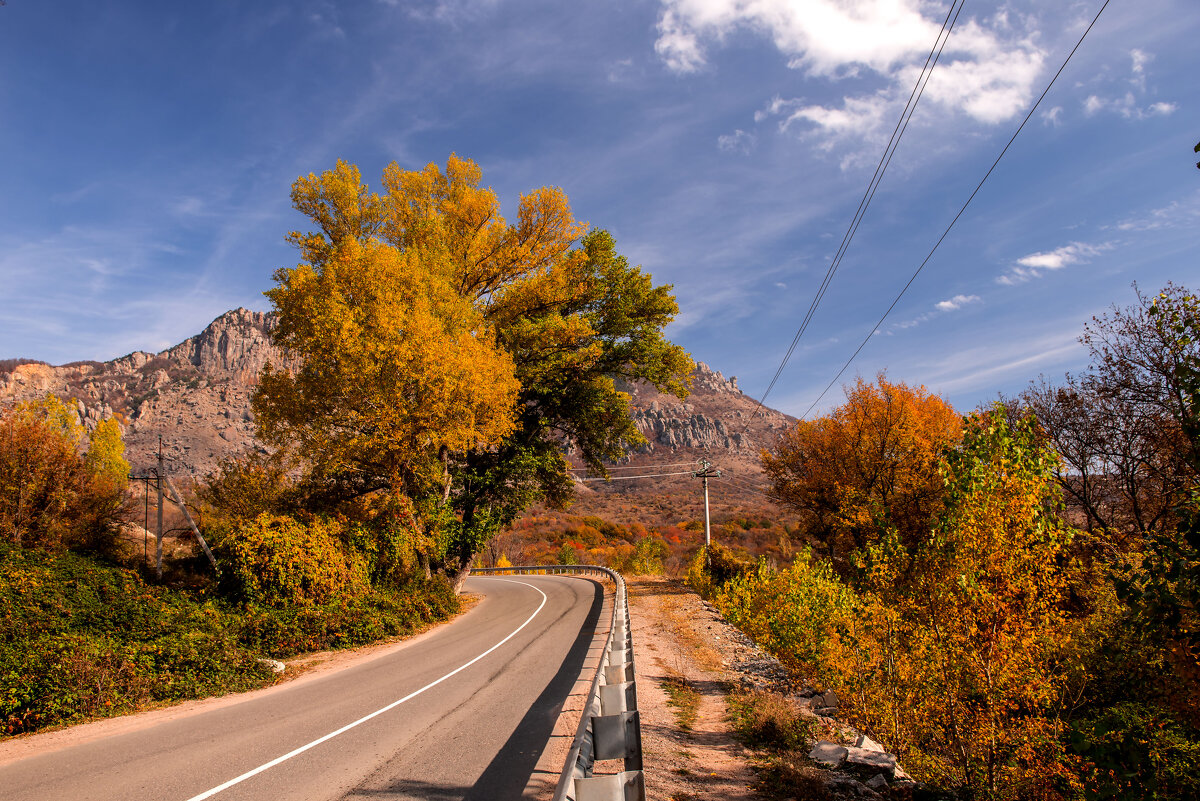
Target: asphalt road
422,722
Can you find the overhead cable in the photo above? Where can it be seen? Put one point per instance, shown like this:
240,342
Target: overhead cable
624,478
910,107
641,466
960,213
745,489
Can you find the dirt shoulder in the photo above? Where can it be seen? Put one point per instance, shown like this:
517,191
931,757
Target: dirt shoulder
686,658
690,666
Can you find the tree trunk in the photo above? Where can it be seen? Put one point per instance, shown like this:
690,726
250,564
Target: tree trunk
460,576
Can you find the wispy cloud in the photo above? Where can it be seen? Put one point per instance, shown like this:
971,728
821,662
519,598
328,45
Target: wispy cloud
737,142
1035,265
982,367
1173,215
1130,103
1127,106
950,304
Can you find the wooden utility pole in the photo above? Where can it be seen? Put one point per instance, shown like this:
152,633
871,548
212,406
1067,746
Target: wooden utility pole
704,474
158,475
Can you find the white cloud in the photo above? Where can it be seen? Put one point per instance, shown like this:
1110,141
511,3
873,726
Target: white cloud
1128,107
957,302
1035,264
952,304
987,70
1053,117
1140,58
737,142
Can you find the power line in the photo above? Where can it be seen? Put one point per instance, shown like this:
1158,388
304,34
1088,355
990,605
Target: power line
746,485
640,466
626,478
746,480
910,107
960,213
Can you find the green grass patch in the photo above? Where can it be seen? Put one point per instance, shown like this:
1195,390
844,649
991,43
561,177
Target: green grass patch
81,640
684,700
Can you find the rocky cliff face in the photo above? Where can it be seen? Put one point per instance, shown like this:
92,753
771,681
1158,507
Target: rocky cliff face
717,421
196,396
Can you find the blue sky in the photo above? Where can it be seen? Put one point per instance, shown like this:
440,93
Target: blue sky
148,149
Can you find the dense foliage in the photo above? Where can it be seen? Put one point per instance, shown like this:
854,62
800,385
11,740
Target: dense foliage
1003,643
868,467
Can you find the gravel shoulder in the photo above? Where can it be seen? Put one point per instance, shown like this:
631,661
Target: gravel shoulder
680,642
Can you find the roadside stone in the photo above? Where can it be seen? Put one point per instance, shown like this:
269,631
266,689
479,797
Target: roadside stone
274,664
845,786
867,744
863,761
827,753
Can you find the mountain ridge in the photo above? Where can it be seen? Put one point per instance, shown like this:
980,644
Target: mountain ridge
196,396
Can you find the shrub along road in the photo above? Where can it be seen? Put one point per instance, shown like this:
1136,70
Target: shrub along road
461,712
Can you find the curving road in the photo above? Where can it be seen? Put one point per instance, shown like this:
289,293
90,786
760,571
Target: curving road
460,713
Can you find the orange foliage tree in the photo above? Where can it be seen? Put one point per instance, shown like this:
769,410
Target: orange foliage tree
60,486
868,467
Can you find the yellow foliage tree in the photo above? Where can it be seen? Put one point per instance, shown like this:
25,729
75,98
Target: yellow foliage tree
52,495
449,355
105,457
397,367
963,673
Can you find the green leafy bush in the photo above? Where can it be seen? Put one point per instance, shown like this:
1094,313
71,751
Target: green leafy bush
1132,751
790,613
81,640
713,567
276,560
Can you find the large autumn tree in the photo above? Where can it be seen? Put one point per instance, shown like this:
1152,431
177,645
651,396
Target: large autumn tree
61,486
868,467
449,357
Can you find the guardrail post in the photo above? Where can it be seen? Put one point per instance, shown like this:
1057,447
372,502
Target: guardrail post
629,785
618,736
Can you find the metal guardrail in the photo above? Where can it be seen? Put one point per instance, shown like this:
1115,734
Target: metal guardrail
609,727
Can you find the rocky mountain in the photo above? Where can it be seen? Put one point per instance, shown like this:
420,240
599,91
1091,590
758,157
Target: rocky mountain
196,396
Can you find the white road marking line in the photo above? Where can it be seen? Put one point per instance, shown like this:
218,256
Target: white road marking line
277,760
